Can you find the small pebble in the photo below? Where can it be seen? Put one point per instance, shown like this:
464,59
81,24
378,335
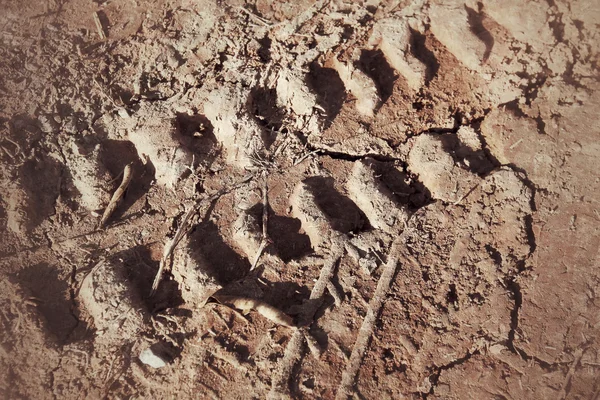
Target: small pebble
148,357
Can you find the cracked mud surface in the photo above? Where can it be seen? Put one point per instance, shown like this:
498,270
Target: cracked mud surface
431,173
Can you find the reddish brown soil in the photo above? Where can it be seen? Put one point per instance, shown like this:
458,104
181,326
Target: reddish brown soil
432,185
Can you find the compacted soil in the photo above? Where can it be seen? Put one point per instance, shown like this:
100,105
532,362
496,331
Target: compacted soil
306,199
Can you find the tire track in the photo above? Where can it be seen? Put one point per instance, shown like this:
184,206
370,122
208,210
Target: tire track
296,346
346,387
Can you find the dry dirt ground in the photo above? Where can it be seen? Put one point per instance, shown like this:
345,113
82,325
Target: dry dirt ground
426,172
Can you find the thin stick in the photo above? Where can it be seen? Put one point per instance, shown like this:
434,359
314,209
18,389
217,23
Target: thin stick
374,308
110,367
313,345
457,202
515,144
117,196
338,297
171,244
304,157
577,356
254,17
8,153
265,221
16,145
116,178
99,27
185,227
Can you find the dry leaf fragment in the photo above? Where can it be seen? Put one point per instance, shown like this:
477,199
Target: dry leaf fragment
266,310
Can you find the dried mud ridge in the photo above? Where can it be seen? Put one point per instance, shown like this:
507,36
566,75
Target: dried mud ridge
366,142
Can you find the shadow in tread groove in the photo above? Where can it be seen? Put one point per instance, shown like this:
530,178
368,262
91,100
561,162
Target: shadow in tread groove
262,105
284,232
140,270
217,257
419,49
330,90
477,161
344,215
374,64
407,189
195,132
476,19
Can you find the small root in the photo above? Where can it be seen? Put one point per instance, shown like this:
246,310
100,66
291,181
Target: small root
117,196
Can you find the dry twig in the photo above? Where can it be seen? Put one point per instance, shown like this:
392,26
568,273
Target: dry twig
255,17
305,156
294,349
337,295
99,27
117,196
313,345
577,356
346,387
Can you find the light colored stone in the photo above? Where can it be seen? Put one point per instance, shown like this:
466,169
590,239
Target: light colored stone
151,359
